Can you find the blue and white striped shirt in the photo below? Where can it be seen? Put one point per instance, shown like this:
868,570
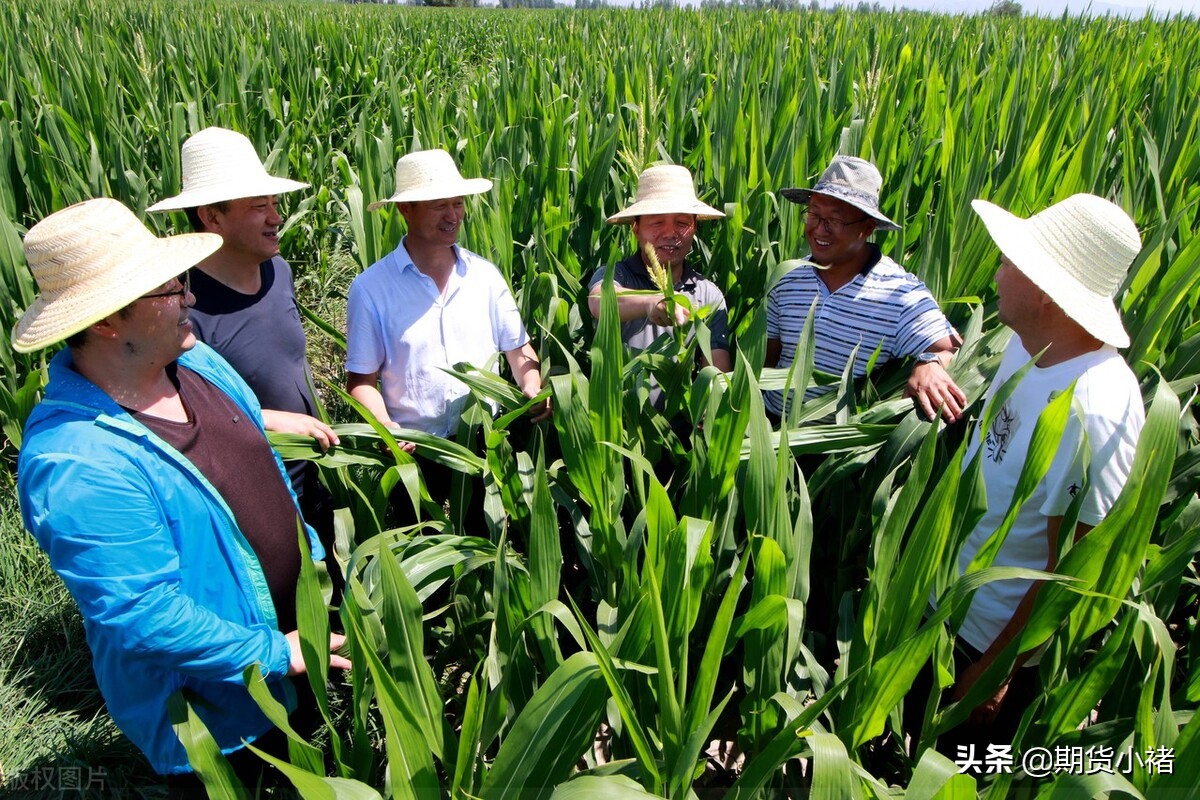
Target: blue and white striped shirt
883,307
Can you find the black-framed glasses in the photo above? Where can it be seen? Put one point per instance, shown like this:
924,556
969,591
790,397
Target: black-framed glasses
834,226
185,286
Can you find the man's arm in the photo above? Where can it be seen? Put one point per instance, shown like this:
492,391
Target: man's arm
523,362
774,351
930,386
986,711
364,387
722,360
652,307
303,424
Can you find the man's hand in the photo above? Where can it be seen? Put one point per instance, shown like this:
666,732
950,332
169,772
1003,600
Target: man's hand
931,387
407,447
657,314
985,713
526,370
539,411
303,424
297,666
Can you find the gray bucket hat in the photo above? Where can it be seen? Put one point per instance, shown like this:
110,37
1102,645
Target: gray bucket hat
851,180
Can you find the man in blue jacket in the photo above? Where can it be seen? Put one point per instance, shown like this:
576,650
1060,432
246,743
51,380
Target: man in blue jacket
146,477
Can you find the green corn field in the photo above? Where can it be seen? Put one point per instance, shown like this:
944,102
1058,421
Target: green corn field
736,613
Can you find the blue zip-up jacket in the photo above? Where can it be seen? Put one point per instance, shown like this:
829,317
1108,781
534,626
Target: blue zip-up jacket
171,593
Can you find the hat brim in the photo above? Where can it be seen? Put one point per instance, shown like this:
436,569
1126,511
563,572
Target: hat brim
803,196
701,211
47,322
258,187
1095,313
441,191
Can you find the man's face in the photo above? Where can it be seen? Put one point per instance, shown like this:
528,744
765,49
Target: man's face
249,226
156,326
434,222
1020,302
836,231
670,235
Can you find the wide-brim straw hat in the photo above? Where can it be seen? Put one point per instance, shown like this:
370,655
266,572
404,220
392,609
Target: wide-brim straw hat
666,189
219,165
853,181
92,259
1077,251
430,175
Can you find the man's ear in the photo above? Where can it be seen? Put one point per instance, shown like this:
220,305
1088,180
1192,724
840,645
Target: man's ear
105,328
210,216
868,229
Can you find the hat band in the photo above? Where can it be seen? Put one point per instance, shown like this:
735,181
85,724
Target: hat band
842,190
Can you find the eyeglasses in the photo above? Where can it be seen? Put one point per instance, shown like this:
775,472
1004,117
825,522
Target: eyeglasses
185,286
834,226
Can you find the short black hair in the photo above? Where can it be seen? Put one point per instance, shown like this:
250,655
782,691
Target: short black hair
77,340
193,215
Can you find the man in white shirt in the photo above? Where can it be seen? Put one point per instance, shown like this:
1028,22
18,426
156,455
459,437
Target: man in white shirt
430,304
1059,271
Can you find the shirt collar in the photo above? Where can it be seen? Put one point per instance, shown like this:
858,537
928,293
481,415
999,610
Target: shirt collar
876,255
404,261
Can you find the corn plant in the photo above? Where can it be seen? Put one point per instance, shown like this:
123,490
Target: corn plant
683,576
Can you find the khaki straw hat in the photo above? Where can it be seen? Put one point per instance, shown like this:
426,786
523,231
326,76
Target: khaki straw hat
666,189
430,175
1077,251
92,259
219,165
853,181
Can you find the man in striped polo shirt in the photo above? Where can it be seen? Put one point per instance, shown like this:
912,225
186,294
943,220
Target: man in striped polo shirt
865,300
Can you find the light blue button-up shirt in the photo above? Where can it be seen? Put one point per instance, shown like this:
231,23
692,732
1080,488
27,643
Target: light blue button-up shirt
400,325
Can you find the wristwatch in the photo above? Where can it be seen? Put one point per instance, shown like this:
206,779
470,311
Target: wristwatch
925,358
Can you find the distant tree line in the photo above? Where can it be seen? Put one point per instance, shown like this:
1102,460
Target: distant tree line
999,8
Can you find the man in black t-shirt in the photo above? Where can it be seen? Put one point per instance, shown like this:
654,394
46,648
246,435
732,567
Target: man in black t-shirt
245,300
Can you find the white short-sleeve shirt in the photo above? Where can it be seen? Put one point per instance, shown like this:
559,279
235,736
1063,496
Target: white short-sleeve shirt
399,325
1107,394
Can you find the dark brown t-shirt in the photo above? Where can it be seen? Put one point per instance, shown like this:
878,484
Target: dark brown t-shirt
232,453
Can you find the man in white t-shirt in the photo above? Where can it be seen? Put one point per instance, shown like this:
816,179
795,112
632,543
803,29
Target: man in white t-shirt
1059,271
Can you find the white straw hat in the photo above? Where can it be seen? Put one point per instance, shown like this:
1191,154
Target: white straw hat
851,180
666,189
1077,251
430,175
219,165
92,259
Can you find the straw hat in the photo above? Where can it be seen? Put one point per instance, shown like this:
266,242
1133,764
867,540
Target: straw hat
220,165
93,259
430,175
666,189
851,180
1077,251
